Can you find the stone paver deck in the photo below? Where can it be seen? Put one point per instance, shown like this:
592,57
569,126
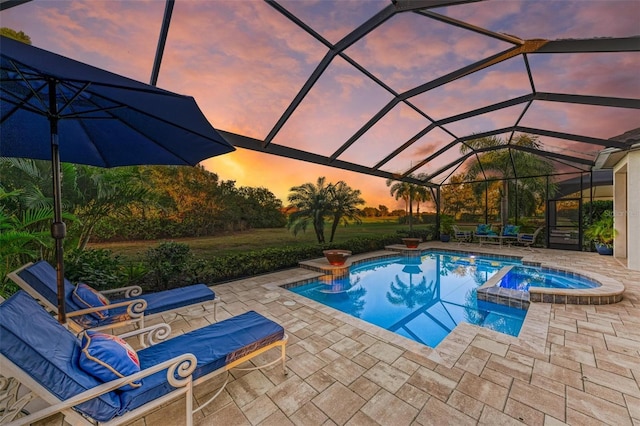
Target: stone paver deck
571,364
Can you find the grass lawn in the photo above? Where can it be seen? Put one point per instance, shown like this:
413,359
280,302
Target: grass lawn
208,247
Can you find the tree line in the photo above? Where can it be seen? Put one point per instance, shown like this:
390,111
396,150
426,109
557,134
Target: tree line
124,203
138,202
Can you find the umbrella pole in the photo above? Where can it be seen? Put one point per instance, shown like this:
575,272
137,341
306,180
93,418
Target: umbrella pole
58,228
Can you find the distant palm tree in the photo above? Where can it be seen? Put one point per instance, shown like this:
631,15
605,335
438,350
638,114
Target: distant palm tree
402,190
422,194
409,192
312,203
344,205
508,164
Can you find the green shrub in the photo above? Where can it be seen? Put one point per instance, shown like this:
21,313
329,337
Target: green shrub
172,264
425,233
598,207
99,268
239,265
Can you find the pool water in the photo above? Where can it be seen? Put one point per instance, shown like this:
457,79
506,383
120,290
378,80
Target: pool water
522,277
422,298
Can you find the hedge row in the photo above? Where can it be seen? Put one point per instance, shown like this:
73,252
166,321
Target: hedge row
239,265
171,264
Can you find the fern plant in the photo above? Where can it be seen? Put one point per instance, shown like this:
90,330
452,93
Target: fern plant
602,231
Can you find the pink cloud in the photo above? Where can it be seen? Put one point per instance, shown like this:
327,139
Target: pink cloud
103,35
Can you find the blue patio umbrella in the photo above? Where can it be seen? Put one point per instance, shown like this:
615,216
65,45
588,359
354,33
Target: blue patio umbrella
55,108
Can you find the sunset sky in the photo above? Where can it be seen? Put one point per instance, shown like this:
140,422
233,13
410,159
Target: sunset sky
244,62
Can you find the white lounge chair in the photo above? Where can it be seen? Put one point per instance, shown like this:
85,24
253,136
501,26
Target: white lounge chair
462,236
44,356
527,240
127,305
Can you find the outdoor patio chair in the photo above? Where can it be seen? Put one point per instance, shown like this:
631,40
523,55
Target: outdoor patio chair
527,240
87,309
509,233
462,236
483,231
65,370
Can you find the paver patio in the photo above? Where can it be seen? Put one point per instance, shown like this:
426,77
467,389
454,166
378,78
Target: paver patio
573,364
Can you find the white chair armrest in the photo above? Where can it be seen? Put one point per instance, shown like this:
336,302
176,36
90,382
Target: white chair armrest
182,366
130,291
152,335
135,308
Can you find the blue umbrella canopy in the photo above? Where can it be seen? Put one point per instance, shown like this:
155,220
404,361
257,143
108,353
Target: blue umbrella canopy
55,108
103,119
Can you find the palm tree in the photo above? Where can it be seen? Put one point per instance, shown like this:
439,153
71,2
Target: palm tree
508,164
421,193
344,205
33,179
28,182
409,192
402,190
312,203
19,242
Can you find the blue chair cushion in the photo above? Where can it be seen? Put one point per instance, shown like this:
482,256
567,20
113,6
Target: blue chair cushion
161,301
42,277
86,296
526,237
510,231
214,346
37,344
175,298
483,229
108,357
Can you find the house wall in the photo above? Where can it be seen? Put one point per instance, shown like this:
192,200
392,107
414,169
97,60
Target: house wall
626,205
620,199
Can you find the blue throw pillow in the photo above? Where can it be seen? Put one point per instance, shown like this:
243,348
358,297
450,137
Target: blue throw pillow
511,231
86,296
108,357
483,229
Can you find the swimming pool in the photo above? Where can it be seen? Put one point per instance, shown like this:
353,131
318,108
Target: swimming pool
522,277
420,297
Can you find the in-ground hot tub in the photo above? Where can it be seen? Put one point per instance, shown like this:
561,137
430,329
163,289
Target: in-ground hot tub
519,285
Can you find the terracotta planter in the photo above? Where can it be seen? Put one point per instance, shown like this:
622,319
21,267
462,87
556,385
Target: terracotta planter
336,257
411,242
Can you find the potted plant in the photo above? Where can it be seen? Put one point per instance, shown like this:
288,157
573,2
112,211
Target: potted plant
601,232
411,242
446,227
336,257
